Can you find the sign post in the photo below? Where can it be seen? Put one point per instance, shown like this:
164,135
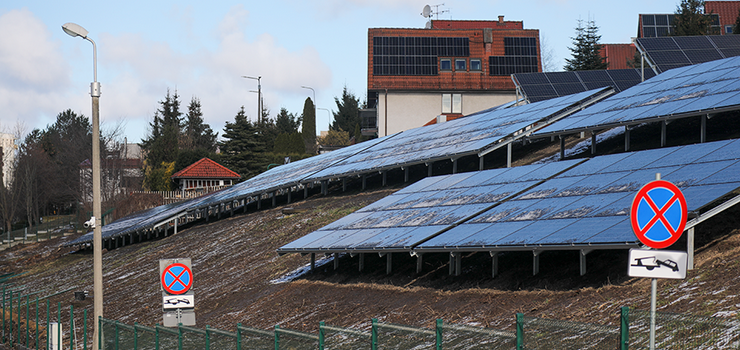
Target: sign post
178,299
658,218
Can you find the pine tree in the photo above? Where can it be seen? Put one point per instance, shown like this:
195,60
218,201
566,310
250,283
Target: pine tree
162,144
736,27
347,116
691,20
309,126
586,50
197,134
241,150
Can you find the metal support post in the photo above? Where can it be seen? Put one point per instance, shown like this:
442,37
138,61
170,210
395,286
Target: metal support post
703,137
419,263
454,166
313,262
508,155
406,174
429,168
362,261
388,263
562,147
626,138
663,126
494,264
593,142
535,262
690,249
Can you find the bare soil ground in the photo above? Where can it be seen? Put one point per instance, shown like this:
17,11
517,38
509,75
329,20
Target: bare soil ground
234,262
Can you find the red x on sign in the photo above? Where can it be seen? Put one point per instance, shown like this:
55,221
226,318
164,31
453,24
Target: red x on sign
658,214
177,278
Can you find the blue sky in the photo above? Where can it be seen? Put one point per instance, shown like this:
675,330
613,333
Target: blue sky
202,49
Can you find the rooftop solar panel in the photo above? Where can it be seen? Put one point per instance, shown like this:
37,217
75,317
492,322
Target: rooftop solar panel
690,90
665,53
543,86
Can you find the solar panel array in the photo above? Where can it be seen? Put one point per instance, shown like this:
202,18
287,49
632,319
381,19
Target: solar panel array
560,205
461,136
543,86
670,52
692,90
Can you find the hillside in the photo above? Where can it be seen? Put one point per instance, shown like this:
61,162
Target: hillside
234,262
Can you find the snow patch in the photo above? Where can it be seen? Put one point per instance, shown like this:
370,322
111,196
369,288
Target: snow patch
303,270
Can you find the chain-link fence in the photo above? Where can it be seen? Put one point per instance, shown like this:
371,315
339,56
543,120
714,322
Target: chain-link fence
682,331
30,324
542,333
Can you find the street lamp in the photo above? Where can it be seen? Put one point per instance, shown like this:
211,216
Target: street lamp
259,95
76,30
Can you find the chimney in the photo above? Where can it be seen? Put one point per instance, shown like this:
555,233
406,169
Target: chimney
501,19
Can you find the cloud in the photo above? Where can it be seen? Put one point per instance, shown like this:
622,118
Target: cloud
32,71
140,71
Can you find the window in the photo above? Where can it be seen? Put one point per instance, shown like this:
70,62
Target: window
728,29
445,64
475,65
451,103
461,65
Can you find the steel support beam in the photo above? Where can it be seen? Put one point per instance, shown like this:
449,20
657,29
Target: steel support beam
535,262
388,263
703,136
494,264
626,138
508,155
593,142
663,126
362,262
562,147
419,263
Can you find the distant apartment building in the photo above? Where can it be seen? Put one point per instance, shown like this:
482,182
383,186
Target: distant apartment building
442,72
8,149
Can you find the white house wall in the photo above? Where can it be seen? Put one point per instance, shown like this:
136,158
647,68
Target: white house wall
408,110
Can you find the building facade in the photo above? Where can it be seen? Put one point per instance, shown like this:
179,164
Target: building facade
450,69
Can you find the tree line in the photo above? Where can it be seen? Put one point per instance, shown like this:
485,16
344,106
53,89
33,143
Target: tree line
176,139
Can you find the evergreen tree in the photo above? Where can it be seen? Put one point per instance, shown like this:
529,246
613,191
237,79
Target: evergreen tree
286,122
309,126
690,19
162,144
736,27
586,50
347,116
241,149
197,134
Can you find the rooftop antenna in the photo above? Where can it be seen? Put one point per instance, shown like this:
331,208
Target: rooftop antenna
428,13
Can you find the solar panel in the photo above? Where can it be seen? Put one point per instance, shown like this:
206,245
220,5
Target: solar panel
574,209
665,53
456,138
543,86
424,209
685,91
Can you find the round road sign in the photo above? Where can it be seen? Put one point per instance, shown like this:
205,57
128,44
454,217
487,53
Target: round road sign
658,214
177,278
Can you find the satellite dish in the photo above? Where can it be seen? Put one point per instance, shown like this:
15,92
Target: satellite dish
429,25
427,11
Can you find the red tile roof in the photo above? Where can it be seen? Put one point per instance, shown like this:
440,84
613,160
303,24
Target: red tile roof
727,11
205,169
617,55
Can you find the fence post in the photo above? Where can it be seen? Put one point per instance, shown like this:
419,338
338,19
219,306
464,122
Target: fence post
624,337
48,316
519,331
71,326
208,339
277,337
11,318
374,339
37,322
321,335
84,329
2,337
179,336
238,336
439,334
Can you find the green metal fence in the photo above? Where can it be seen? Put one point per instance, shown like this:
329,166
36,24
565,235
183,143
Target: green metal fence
55,226
26,323
681,331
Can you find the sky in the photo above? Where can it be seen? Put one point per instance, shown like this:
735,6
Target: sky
202,49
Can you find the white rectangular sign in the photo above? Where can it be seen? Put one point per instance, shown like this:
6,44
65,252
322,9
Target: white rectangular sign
185,301
653,263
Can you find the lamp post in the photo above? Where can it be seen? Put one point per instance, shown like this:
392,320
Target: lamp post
259,95
76,30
